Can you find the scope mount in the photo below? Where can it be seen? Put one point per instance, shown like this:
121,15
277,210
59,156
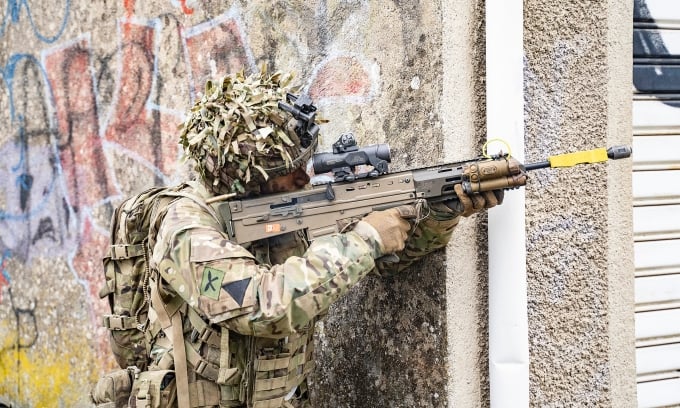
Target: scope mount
346,145
304,111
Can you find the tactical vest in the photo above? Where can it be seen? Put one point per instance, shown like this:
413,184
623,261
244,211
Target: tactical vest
227,369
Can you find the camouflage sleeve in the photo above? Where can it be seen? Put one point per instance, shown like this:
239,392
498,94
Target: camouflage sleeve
431,233
226,285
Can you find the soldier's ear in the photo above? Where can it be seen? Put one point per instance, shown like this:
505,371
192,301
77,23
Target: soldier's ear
300,177
290,182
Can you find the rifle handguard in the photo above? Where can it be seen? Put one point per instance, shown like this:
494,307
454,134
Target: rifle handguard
495,174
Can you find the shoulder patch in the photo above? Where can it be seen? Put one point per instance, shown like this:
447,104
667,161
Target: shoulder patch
211,282
237,289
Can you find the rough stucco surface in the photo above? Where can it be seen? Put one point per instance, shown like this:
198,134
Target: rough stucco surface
620,256
385,343
568,107
567,230
464,125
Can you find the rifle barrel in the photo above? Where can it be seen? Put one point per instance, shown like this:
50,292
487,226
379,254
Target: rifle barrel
583,157
538,165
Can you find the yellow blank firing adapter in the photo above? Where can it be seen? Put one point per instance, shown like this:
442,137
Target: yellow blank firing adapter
585,156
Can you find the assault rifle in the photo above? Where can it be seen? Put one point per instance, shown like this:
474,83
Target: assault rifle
323,209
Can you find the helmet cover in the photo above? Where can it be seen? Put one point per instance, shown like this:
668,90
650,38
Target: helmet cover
238,136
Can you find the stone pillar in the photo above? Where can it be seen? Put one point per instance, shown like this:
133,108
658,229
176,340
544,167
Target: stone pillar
579,220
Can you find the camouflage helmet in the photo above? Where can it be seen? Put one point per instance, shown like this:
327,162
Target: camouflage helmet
244,130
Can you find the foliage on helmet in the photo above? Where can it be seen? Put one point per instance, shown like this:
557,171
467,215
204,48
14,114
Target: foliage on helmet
236,133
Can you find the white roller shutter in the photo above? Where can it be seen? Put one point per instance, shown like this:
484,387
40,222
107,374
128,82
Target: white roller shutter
656,193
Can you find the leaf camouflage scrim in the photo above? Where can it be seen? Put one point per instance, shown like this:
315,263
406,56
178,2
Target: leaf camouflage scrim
237,135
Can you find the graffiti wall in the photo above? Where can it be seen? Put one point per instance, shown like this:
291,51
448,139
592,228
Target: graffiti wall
91,93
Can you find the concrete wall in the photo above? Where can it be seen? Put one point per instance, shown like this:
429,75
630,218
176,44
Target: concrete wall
92,91
579,241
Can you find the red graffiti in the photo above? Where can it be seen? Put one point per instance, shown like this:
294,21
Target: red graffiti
146,131
185,8
129,7
3,281
88,263
82,157
219,47
342,76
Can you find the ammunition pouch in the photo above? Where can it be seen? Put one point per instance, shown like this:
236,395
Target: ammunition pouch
154,389
280,373
113,389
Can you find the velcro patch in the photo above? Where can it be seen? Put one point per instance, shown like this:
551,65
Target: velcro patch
237,289
211,282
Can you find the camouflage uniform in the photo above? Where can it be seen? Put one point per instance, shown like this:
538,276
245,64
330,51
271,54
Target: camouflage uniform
246,314
249,324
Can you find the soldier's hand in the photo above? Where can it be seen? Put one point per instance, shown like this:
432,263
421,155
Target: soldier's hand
468,204
392,227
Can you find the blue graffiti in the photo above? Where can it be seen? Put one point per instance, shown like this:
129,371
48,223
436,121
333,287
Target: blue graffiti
7,74
6,255
24,180
13,15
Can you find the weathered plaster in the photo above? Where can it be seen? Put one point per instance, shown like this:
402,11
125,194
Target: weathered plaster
575,99
90,97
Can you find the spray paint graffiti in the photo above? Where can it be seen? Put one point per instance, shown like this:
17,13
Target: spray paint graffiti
25,339
181,4
70,114
25,318
25,366
226,52
33,167
28,369
4,275
38,15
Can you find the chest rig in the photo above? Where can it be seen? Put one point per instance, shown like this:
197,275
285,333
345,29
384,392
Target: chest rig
227,369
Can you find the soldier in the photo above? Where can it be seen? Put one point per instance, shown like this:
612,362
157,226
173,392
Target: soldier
234,322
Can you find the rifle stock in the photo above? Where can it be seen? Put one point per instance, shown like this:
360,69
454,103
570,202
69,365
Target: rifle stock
326,209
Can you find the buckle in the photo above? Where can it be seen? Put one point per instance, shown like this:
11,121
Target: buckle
133,371
194,335
114,322
200,368
203,335
142,326
143,399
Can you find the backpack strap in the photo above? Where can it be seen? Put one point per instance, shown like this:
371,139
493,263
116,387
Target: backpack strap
180,359
125,251
171,320
198,200
169,314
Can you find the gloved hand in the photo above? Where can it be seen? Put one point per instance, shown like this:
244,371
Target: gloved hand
467,205
392,227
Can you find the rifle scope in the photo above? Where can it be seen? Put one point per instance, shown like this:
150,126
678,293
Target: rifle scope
346,156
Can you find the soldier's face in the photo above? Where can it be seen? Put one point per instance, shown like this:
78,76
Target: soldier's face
290,182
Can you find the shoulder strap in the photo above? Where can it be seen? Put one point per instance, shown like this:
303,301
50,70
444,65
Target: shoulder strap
180,359
198,200
169,314
170,317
